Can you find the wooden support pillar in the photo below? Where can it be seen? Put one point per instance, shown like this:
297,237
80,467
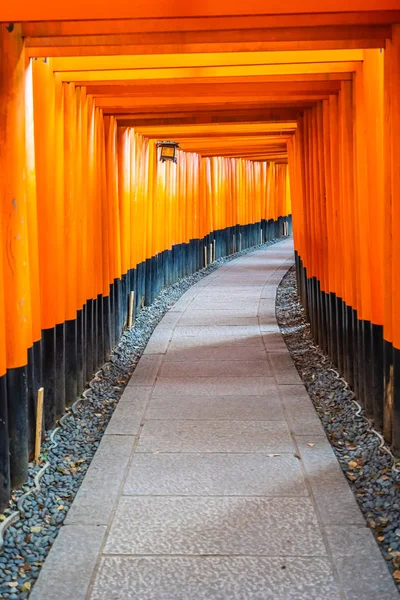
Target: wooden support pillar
13,208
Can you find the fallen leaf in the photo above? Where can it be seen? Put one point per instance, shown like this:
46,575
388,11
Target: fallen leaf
352,464
381,538
60,507
27,586
36,529
13,583
310,444
396,574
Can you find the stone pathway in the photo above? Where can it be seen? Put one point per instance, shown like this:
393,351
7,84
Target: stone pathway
214,479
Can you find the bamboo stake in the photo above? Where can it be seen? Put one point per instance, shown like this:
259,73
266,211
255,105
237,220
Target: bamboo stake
211,253
240,242
214,249
39,422
130,311
261,240
205,256
234,243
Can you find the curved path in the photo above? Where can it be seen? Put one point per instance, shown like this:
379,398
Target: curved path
214,480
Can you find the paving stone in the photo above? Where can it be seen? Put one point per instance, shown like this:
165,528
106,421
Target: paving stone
215,475
159,341
355,552
333,496
215,526
214,578
215,386
267,306
235,353
234,408
283,368
268,292
210,368
205,341
235,307
214,331
99,490
129,412
215,436
216,317
146,370
184,301
68,568
302,416
169,320
273,341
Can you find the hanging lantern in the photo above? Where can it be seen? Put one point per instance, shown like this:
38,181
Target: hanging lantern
168,151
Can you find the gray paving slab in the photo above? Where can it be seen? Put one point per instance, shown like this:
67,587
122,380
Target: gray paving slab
216,331
302,416
210,368
146,370
129,412
283,368
169,320
215,578
204,474
355,551
235,408
215,526
99,490
268,292
232,353
273,341
232,306
215,436
68,569
159,341
205,341
215,386
335,500
216,317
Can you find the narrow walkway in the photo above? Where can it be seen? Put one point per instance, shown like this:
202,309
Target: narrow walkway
215,480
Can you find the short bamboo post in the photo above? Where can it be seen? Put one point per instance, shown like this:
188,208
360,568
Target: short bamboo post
261,240
211,253
205,256
240,242
131,309
214,247
39,423
234,243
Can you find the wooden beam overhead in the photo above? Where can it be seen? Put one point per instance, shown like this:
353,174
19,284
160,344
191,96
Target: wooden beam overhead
229,90
117,26
218,59
115,49
25,10
208,117
86,78
184,42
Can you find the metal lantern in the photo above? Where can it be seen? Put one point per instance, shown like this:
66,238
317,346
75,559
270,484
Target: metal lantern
168,151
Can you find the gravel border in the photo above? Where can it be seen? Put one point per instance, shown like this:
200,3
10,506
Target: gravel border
41,505
367,465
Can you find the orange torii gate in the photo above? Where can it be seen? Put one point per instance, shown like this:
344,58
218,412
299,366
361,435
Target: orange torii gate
88,212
